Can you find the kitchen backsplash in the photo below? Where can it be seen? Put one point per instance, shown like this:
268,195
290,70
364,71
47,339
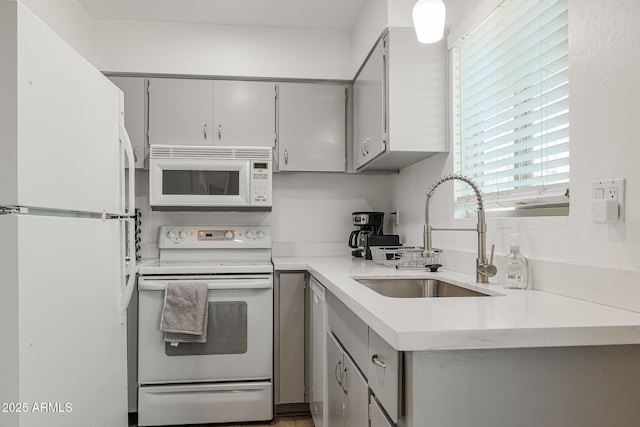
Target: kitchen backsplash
311,212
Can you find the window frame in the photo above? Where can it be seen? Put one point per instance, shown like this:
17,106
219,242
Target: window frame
537,200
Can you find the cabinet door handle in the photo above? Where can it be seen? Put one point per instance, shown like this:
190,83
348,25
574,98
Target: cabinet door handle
219,132
335,373
286,157
135,154
367,143
362,148
375,361
345,379
205,132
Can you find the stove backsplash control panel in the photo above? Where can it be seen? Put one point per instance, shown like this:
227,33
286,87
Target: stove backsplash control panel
190,236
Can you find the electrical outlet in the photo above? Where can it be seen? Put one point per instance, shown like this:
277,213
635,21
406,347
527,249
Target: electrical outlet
612,193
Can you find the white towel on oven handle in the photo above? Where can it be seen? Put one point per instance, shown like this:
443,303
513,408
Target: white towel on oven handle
185,313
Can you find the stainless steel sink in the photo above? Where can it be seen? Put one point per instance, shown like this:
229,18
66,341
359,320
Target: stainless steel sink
418,288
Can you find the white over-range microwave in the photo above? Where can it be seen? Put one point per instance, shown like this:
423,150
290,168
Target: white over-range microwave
213,178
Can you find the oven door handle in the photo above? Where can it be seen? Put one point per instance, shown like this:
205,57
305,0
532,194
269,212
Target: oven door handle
155,285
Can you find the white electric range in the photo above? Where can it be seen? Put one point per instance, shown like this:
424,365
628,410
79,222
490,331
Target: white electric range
228,378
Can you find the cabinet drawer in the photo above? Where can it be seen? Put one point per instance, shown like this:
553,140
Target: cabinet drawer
349,329
378,417
384,374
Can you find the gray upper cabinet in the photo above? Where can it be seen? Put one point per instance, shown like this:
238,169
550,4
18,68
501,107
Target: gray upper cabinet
244,113
369,107
312,127
400,103
208,112
134,100
180,111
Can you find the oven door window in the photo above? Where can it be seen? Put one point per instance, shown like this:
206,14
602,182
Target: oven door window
226,334
201,182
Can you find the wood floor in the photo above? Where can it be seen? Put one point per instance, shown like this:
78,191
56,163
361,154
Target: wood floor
284,422
278,422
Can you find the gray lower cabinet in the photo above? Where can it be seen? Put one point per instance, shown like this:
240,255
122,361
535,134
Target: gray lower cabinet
358,349
134,115
378,417
347,389
290,340
335,393
384,374
312,123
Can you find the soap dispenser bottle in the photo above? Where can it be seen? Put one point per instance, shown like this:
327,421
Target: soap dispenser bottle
516,269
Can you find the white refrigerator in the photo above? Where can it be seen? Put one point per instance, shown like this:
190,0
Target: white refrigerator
65,206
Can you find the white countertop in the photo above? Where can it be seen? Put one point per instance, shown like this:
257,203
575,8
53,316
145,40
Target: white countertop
507,319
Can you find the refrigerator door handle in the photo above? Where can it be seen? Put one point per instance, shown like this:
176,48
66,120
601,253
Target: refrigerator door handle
128,149
128,285
129,211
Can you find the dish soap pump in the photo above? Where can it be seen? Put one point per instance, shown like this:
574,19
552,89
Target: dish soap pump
516,269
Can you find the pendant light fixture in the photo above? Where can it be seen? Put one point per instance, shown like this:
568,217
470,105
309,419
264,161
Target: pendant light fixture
428,20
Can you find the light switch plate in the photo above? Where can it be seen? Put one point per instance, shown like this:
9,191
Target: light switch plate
608,197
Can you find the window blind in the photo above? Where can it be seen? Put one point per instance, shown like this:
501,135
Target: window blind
511,106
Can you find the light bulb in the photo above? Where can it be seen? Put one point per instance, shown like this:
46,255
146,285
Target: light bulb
428,20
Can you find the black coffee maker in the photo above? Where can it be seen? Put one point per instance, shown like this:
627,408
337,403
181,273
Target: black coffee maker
370,224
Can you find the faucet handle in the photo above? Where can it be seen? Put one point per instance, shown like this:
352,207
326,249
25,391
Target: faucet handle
489,269
486,269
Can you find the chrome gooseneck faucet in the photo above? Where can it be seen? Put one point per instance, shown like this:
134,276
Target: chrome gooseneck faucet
484,268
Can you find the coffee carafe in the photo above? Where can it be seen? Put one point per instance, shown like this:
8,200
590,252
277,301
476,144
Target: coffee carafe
370,224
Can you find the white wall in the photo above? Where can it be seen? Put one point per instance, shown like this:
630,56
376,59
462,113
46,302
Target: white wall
372,21
199,49
376,15
605,130
311,212
69,20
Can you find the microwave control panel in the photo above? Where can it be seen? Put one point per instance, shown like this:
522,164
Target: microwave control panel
261,184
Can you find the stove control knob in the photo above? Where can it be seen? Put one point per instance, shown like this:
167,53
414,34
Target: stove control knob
182,234
249,234
171,234
260,235
228,234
